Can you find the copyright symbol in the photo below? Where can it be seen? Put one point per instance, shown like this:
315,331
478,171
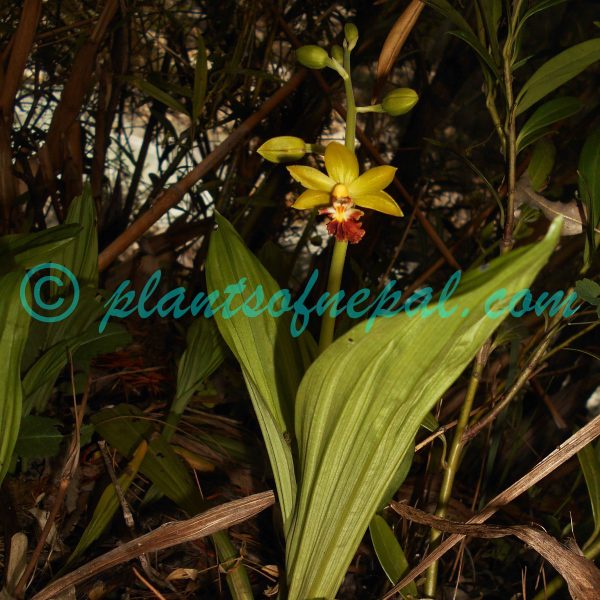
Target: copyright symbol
39,302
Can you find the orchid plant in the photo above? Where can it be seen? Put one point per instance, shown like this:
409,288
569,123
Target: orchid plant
341,189
339,421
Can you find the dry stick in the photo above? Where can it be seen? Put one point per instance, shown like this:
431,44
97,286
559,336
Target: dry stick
549,464
376,156
167,535
173,195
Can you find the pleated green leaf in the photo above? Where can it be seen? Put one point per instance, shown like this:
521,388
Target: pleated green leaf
30,249
203,354
272,361
557,71
81,257
361,403
14,327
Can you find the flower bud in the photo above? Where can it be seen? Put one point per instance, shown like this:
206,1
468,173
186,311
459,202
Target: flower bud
351,34
313,57
399,101
337,54
285,148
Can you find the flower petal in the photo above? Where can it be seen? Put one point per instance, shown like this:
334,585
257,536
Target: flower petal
373,180
380,201
312,179
341,163
310,199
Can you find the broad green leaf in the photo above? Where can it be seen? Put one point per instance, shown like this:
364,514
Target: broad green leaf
200,81
589,291
549,113
155,92
590,465
557,71
108,505
125,427
39,437
272,361
362,401
30,249
14,327
390,553
589,184
541,163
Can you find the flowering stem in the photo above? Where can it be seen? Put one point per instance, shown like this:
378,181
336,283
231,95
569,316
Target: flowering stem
334,282
336,269
350,104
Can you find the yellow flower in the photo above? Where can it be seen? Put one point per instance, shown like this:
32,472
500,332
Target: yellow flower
343,183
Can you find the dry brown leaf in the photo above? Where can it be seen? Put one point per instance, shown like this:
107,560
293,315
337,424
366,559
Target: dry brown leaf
581,575
165,536
395,40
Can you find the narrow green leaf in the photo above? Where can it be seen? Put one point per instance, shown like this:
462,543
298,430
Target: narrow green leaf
362,401
272,361
549,113
492,14
14,327
557,71
155,92
541,163
390,553
536,8
200,81
484,55
108,505
589,183
464,32
590,466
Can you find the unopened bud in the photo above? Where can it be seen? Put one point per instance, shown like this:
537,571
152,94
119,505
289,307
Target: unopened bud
285,148
351,34
313,57
399,101
337,54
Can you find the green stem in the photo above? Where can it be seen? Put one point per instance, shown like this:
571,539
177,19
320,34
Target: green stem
334,282
511,151
350,104
453,463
